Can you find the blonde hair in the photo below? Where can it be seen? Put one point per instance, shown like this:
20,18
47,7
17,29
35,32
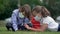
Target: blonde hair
42,10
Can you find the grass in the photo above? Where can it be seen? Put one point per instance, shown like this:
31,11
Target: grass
3,30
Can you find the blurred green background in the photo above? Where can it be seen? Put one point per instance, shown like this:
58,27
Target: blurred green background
7,6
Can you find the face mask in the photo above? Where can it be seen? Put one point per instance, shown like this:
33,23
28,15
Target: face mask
37,18
21,15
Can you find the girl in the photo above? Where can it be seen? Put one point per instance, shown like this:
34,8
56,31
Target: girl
43,15
20,18
36,24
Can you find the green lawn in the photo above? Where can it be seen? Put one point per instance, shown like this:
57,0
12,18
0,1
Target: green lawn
3,30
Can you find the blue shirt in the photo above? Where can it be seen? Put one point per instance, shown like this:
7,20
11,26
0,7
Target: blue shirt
15,19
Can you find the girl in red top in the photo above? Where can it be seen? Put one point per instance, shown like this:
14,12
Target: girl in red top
36,24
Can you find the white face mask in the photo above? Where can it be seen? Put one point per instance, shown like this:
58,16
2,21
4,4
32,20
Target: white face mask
37,18
21,15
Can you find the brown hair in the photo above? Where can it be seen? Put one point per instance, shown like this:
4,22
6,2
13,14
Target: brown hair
42,10
27,10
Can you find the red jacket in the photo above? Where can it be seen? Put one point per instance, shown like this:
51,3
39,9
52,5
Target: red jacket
35,23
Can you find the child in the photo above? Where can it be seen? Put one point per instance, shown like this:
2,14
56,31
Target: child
20,18
36,24
43,15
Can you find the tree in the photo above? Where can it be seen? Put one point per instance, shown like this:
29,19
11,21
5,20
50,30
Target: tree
6,8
